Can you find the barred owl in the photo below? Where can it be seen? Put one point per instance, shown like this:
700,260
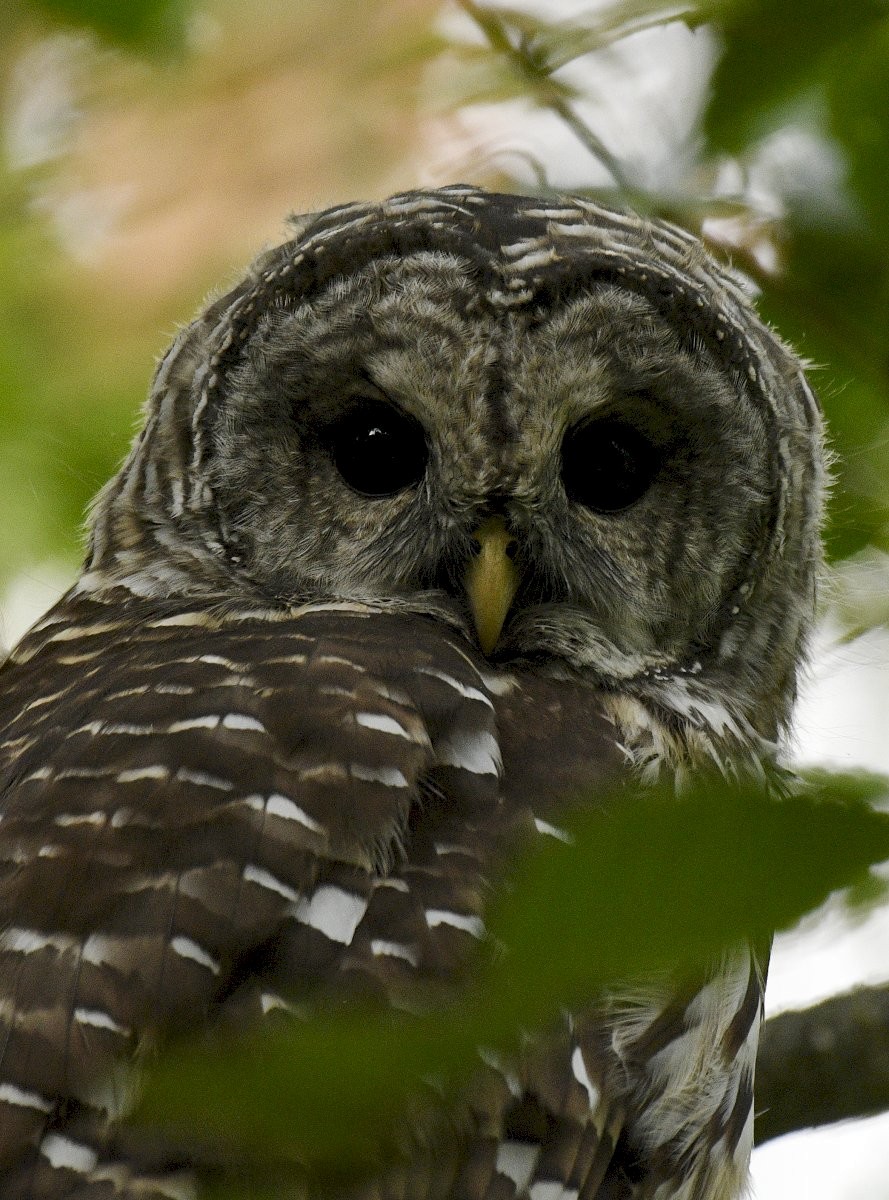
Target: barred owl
455,505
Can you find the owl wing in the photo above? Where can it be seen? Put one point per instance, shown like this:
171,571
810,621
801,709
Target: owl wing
209,814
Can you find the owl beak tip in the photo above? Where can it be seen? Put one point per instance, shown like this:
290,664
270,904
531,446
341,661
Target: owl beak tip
492,580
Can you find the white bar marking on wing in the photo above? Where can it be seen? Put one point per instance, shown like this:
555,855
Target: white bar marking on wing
186,948
517,1160
284,807
470,924
333,912
63,1154
266,879
382,722
99,1020
22,1099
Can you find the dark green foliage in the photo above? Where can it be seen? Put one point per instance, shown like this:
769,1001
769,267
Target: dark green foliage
825,66
148,24
774,51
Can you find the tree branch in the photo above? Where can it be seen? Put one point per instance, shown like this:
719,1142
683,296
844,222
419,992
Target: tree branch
827,1063
494,29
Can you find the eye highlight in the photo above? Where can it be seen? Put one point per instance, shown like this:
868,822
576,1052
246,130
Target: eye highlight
608,464
377,449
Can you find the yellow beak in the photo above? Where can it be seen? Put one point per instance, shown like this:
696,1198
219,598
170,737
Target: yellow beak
491,581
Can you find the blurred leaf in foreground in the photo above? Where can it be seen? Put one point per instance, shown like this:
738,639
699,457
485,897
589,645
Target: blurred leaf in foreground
656,884
148,24
774,52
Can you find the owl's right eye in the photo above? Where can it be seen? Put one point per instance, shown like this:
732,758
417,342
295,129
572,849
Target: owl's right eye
378,450
608,464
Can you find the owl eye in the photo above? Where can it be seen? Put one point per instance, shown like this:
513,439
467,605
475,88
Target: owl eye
378,450
608,464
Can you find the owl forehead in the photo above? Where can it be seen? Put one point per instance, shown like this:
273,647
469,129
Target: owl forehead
510,254
487,269
423,330
503,271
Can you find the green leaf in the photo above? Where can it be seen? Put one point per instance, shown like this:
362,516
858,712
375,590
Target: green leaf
661,881
831,302
858,95
775,50
149,24
653,883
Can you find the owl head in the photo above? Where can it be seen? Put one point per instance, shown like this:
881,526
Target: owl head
556,427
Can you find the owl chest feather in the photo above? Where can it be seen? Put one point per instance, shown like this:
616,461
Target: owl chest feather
201,790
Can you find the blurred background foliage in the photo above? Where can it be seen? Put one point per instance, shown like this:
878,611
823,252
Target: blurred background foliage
151,147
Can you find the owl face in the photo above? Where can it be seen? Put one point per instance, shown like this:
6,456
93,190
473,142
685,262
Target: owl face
369,433
407,386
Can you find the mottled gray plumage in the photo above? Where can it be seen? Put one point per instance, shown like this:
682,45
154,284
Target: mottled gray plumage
256,757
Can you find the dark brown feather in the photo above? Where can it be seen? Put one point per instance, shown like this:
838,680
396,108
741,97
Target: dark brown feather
182,794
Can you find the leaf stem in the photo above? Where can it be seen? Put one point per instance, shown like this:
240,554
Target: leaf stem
494,29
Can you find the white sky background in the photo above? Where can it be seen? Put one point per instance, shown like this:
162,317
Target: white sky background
646,97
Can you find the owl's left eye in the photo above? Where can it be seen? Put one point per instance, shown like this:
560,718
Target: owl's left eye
378,450
608,464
